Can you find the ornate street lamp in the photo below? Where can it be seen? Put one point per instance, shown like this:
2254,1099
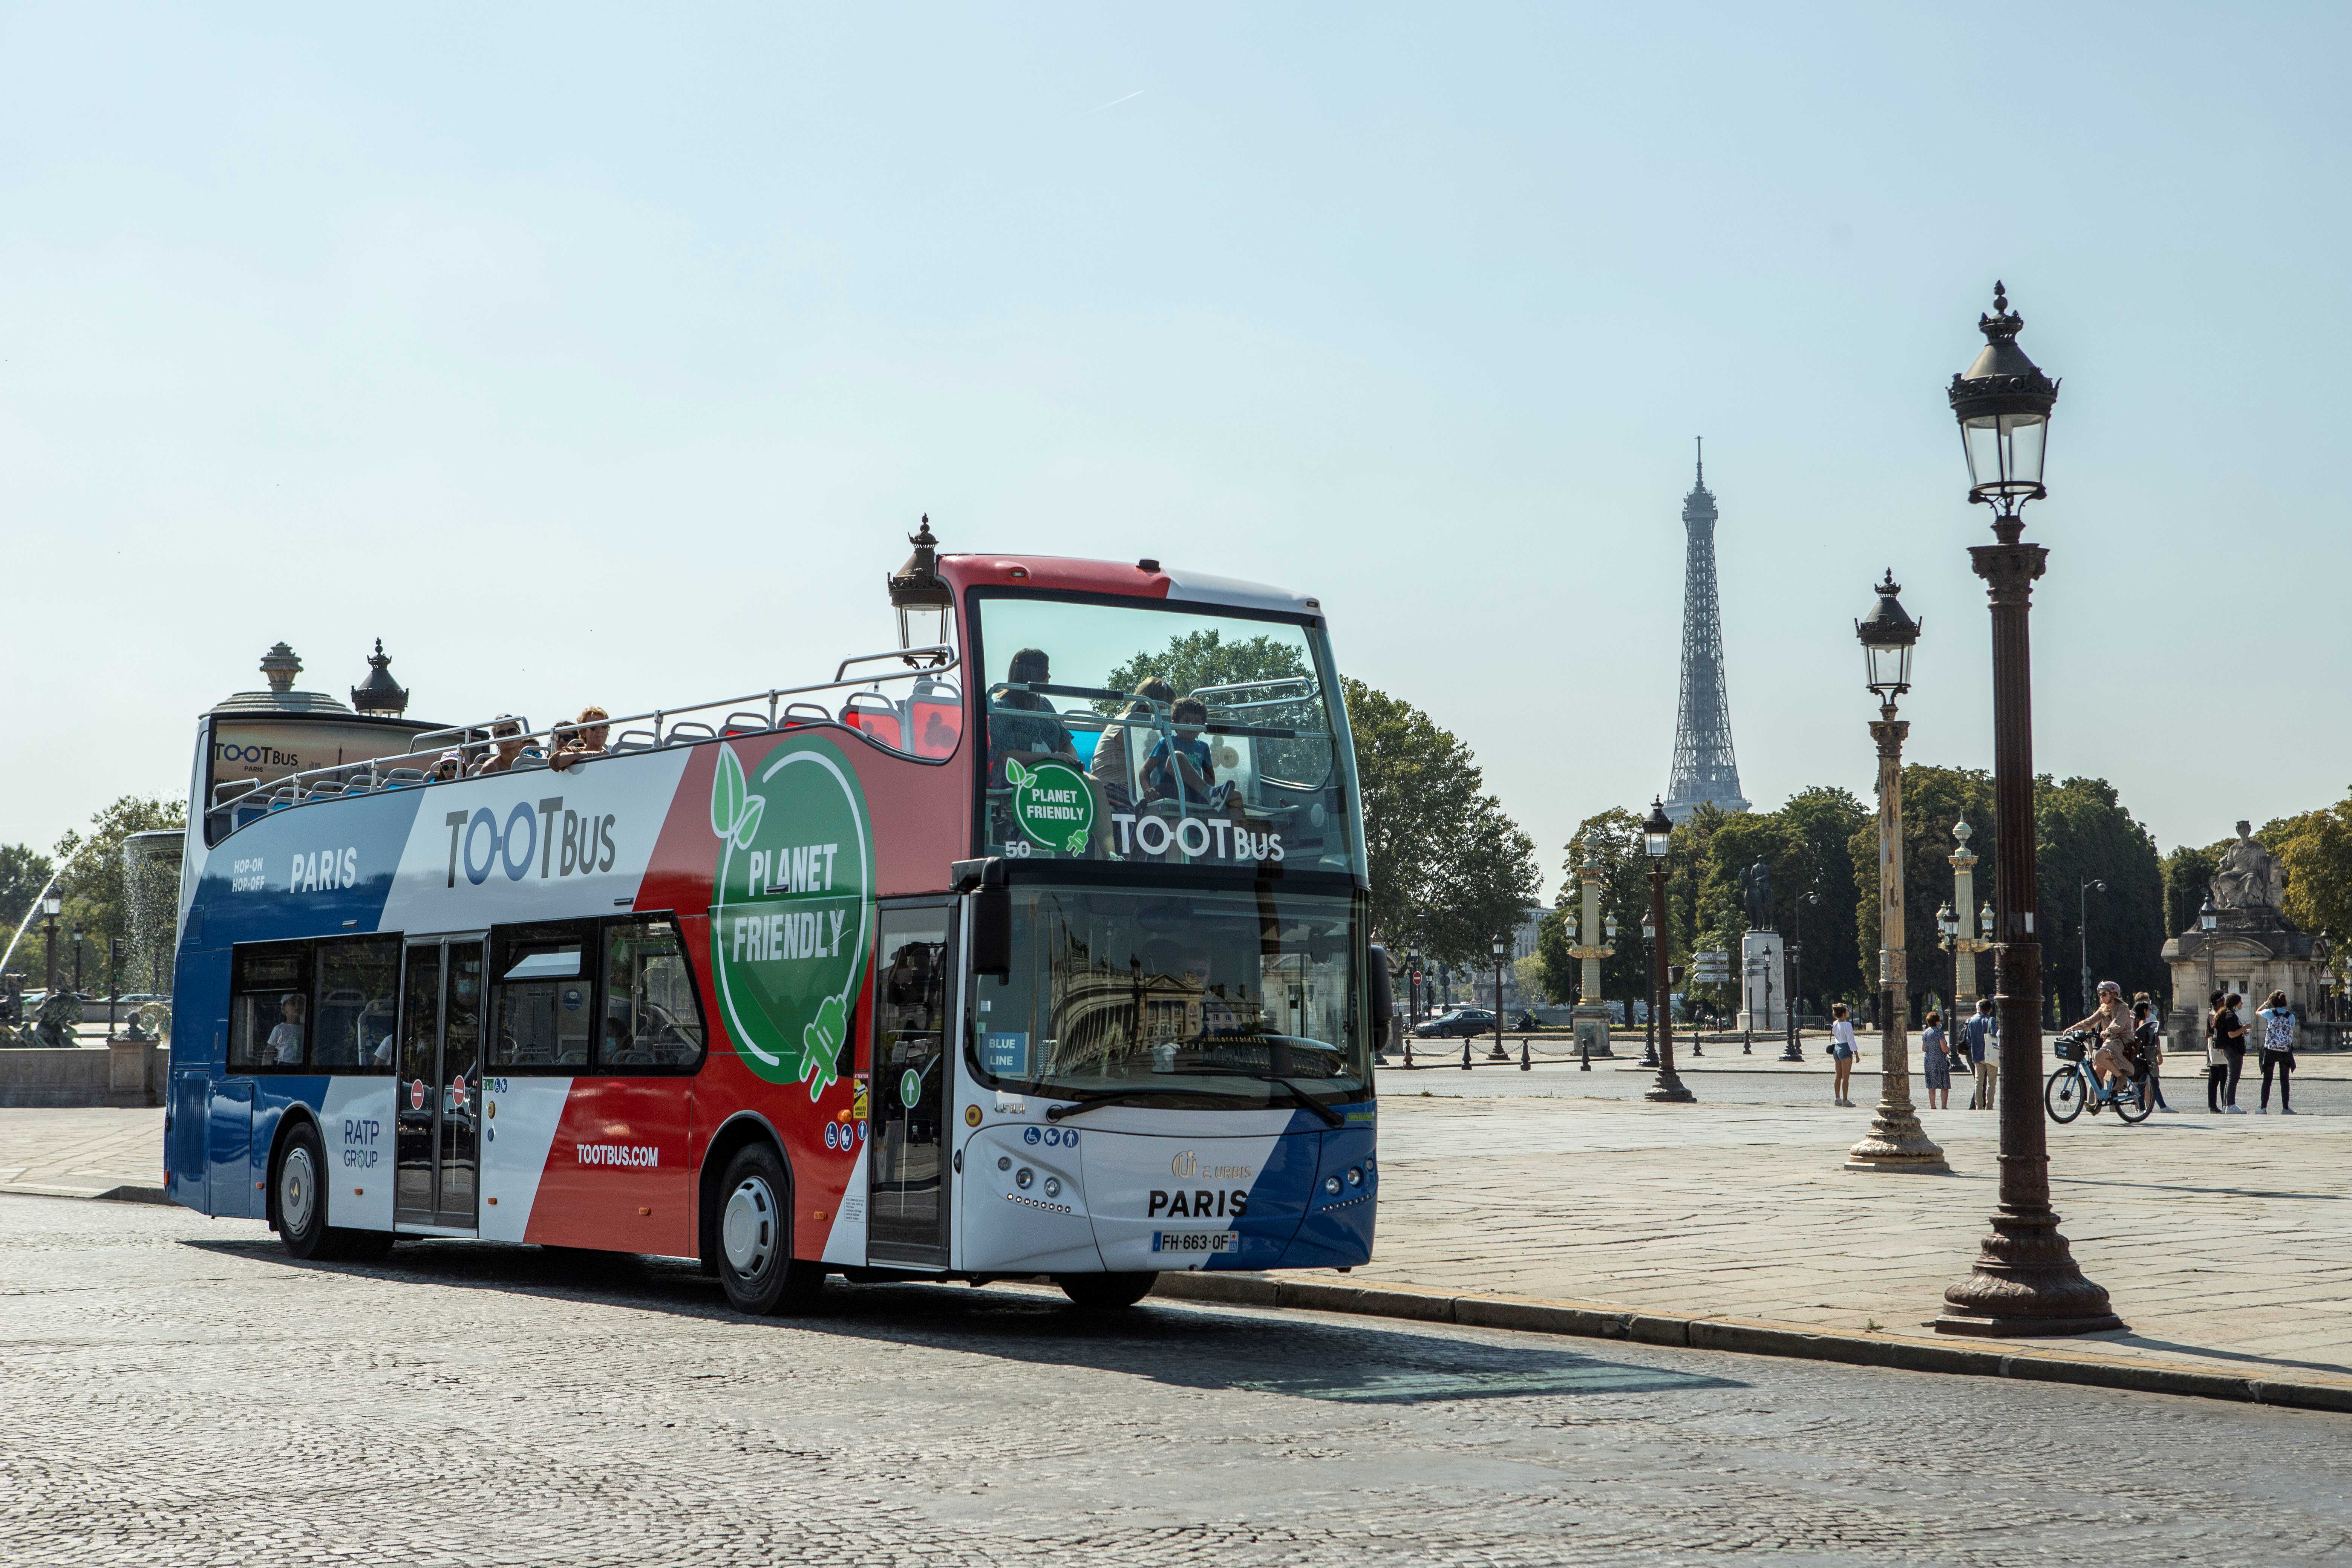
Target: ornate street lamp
1896,1142
1795,1051
925,603
2026,1280
1499,1054
52,906
1650,1024
1657,837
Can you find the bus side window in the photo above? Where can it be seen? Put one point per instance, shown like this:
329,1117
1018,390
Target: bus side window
269,1007
652,1017
356,1005
543,1002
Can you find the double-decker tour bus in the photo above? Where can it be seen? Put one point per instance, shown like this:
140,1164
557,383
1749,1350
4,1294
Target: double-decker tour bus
1035,946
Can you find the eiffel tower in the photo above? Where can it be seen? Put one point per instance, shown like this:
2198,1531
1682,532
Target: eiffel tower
1705,773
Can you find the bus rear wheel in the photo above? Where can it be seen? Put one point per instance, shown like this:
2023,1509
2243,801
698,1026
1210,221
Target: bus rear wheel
1106,1292
301,1202
755,1238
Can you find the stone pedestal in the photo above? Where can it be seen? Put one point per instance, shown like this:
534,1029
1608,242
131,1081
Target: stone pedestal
2253,953
1766,1013
1592,1020
130,1071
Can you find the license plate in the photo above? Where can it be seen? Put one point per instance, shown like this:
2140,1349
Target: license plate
1193,1241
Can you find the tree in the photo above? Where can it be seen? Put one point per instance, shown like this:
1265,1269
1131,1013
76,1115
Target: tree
2188,877
2315,852
1204,659
1450,870
1613,838
2085,833
91,883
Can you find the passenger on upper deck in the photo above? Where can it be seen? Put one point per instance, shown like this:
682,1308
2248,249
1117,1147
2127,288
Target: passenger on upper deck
1114,751
285,1038
508,746
585,742
450,766
1015,732
1185,761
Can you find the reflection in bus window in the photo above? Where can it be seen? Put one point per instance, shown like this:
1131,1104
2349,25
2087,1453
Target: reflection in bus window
541,1011
650,1015
268,1005
358,1004
1130,733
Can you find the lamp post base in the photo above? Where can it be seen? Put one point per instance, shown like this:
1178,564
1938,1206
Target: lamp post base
2026,1283
1896,1142
1669,1091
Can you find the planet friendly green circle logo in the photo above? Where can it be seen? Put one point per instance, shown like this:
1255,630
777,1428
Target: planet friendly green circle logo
1052,803
911,1087
792,907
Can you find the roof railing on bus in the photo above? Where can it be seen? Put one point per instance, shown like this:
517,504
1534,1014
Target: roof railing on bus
472,741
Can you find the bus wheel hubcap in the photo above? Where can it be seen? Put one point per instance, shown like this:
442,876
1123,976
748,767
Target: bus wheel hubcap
749,1230
295,1187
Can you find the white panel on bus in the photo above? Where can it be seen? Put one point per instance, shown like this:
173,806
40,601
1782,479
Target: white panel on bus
534,846
846,1241
357,1121
1010,1228
519,1122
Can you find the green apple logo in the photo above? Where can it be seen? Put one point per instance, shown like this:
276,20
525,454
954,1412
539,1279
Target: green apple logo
790,917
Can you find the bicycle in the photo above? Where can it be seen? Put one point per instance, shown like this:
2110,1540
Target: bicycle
2073,1085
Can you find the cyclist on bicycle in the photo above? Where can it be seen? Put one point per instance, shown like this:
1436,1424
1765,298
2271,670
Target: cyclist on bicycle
2115,1063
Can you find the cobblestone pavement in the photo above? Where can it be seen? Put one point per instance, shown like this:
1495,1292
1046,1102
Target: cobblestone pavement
180,1393
2223,1241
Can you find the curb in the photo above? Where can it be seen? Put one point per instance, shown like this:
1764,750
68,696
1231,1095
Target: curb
1747,1337
129,1192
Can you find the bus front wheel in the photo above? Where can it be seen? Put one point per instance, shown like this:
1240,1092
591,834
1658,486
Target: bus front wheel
755,1238
300,1200
1106,1292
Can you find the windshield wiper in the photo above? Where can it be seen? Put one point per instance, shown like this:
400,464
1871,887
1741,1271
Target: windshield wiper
1330,1117
1115,1096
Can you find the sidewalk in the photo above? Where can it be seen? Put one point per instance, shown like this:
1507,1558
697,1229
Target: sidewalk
80,1153
2226,1244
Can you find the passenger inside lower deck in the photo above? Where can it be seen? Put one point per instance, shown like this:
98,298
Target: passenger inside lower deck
286,1039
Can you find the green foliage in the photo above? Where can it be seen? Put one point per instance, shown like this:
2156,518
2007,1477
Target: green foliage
1204,659
2315,850
1449,868
2187,878
23,873
91,887
2086,833
1614,840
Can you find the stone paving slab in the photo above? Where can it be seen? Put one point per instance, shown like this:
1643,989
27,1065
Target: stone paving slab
80,1152
2224,1243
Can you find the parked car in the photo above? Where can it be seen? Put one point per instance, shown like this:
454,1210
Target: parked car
1456,1021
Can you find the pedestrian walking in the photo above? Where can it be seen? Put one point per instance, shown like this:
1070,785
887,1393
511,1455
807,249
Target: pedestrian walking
2217,1061
1936,1063
2278,1051
2230,1030
2149,1042
1840,1054
1983,1035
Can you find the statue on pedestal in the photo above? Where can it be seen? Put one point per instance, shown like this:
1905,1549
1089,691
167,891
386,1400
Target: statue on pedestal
2249,876
1756,892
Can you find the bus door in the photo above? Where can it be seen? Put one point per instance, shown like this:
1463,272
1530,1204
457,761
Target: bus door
906,1149
438,1095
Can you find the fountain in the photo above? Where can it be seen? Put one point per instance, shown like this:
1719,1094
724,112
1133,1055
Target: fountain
151,896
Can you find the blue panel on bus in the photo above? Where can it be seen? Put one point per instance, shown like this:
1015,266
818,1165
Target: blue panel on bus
1278,1199
1336,1232
313,870
228,1150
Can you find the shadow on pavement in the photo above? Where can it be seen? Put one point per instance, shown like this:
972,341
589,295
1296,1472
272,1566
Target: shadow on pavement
1184,1346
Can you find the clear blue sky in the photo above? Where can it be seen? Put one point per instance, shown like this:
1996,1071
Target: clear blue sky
609,355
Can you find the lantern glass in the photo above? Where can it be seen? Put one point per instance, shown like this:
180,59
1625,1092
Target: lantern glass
2208,917
1889,664
1608,925
1984,919
2005,452
1649,929
52,905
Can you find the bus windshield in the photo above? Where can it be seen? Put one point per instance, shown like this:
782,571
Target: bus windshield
1221,998
1126,732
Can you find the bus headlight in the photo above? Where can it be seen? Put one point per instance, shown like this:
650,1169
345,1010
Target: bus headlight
1331,1186
1025,1178
1053,1186
1354,1176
